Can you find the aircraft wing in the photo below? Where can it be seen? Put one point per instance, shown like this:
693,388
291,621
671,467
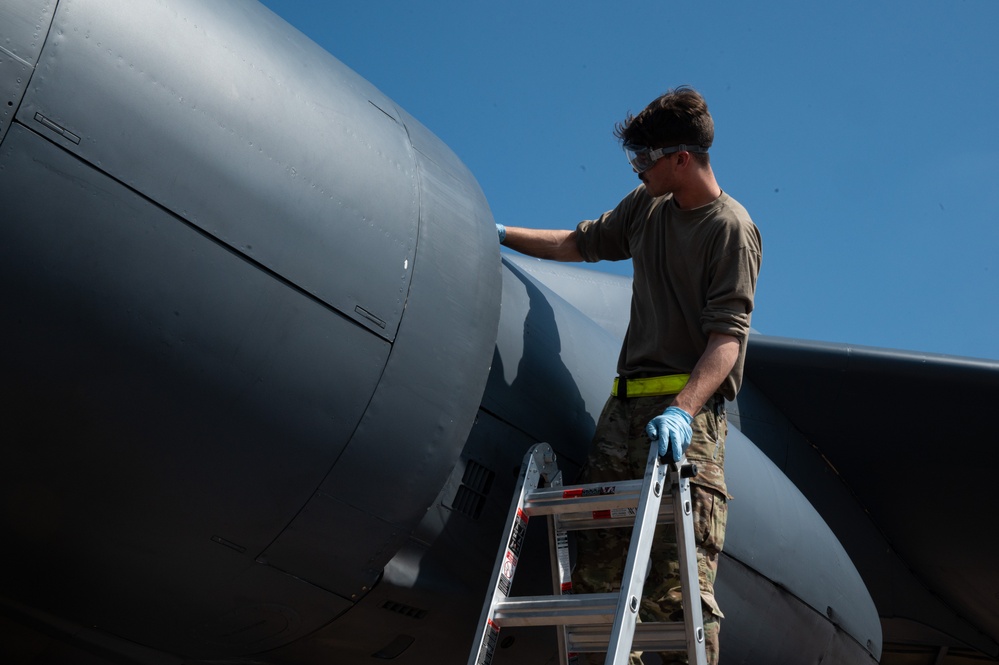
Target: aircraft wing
910,437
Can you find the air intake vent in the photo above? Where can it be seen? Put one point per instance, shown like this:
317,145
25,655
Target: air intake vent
477,477
405,610
471,495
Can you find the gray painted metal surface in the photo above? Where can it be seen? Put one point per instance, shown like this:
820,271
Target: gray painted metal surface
878,481
25,26
174,403
228,258
234,123
552,367
776,533
604,299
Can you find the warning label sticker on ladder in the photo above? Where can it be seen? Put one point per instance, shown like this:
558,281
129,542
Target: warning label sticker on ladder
513,553
614,513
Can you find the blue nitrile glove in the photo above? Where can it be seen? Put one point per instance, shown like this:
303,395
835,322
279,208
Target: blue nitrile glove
501,230
673,431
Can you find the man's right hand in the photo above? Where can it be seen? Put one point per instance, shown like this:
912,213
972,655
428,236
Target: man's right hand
672,430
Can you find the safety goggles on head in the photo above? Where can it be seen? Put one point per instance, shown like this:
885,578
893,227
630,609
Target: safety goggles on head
642,159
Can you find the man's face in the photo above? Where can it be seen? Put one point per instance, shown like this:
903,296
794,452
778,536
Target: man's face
660,178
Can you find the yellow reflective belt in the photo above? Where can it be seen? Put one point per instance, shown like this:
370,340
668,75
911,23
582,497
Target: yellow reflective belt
670,384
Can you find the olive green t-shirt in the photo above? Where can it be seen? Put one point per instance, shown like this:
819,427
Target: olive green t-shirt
695,273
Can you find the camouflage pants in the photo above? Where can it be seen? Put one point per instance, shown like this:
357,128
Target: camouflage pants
620,451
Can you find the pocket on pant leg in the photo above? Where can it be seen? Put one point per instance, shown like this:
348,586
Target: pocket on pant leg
710,517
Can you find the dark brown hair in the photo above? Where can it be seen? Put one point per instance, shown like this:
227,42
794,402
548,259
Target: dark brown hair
680,116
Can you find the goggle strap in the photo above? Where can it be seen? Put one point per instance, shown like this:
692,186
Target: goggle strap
667,151
679,148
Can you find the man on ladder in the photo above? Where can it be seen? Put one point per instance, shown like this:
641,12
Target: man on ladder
696,255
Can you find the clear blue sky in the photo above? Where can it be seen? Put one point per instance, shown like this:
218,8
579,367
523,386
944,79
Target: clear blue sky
862,136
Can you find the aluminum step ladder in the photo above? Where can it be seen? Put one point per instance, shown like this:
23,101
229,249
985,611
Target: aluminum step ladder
598,622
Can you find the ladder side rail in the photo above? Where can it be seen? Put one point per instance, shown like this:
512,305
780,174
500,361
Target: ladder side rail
690,587
561,569
639,550
484,644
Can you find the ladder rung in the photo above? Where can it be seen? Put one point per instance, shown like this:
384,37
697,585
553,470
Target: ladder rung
666,636
595,506
594,496
611,520
578,609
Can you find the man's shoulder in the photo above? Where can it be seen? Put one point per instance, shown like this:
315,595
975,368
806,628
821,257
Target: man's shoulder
733,216
730,208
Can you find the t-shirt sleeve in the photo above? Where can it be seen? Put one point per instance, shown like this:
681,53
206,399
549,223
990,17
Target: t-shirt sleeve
733,284
607,237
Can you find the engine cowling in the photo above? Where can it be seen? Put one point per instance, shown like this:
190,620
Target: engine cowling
249,319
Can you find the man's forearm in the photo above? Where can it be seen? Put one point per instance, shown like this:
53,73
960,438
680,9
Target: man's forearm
712,368
554,244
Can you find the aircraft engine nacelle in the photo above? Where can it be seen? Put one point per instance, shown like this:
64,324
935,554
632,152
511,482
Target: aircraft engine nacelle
251,307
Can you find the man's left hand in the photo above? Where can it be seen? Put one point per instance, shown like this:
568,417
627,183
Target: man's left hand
672,429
